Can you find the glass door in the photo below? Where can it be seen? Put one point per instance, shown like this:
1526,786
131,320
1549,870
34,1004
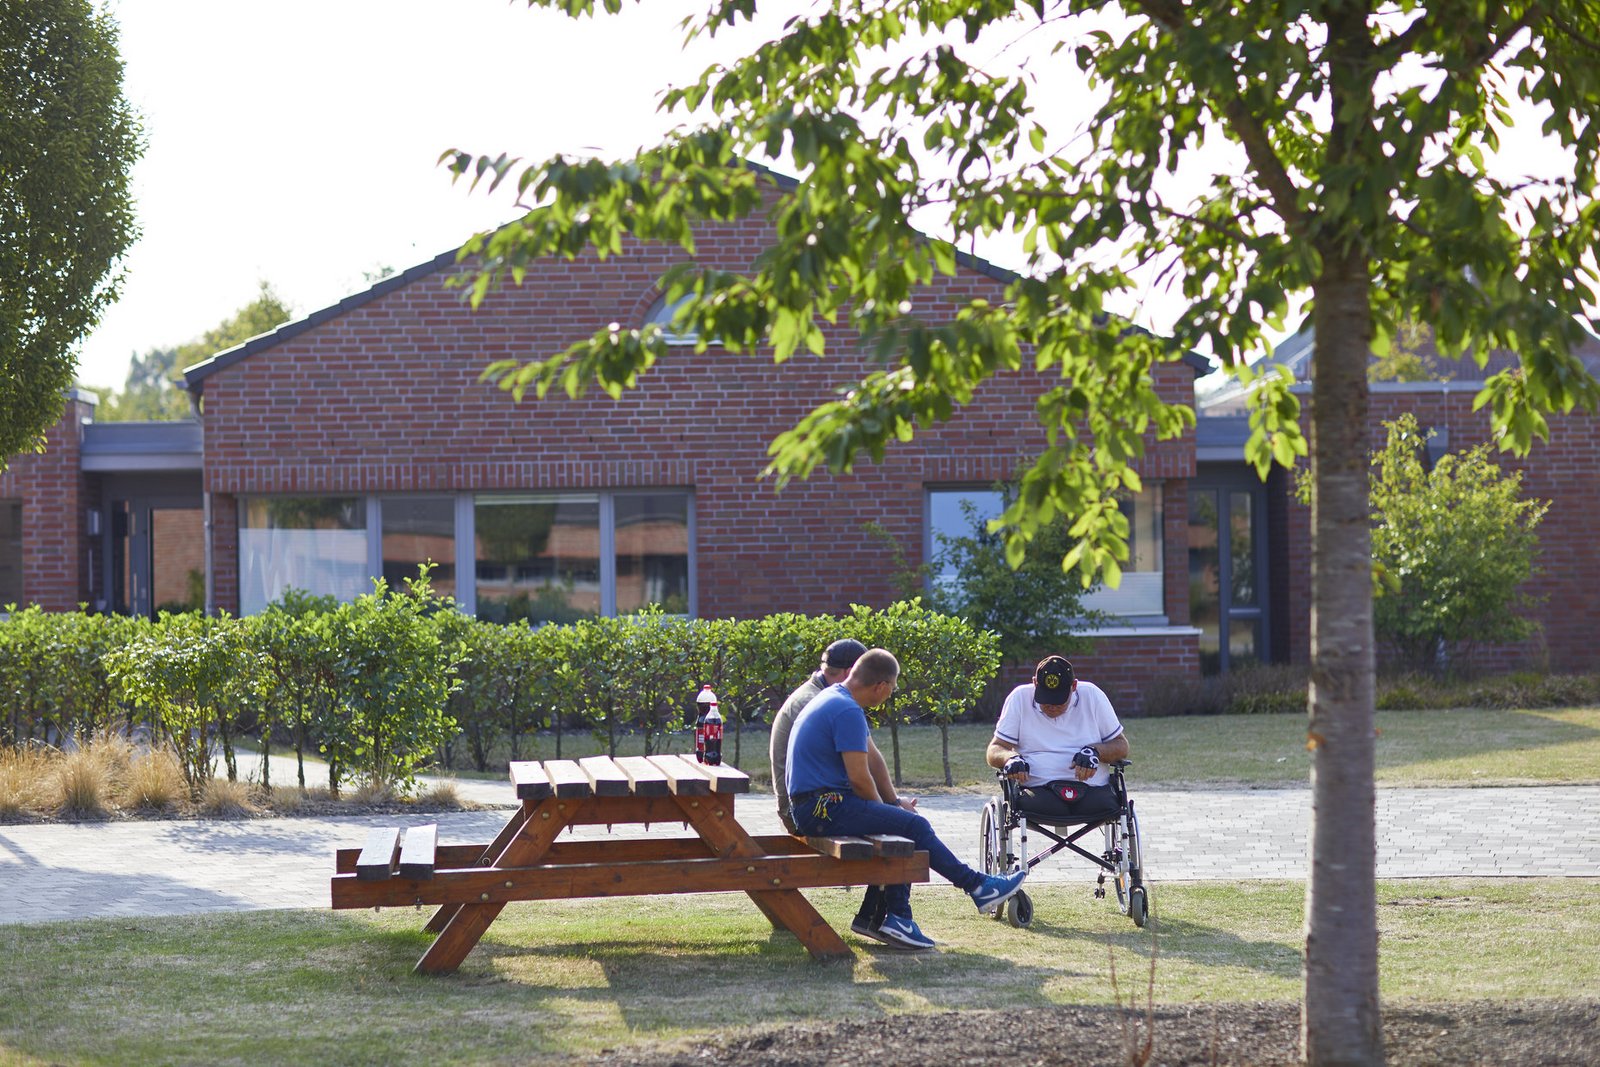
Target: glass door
1225,595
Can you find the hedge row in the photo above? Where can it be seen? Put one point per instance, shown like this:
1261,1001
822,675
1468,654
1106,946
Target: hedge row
383,684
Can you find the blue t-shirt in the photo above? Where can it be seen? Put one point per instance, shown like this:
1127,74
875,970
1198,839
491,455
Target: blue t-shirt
832,723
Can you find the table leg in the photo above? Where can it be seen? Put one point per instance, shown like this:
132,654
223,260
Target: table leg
446,912
528,843
712,818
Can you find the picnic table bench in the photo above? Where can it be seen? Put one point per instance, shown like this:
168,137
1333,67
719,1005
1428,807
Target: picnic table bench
471,884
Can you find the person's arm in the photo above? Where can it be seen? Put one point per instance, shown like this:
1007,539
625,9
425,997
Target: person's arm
880,778
999,751
860,775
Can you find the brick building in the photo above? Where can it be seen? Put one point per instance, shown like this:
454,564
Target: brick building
358,442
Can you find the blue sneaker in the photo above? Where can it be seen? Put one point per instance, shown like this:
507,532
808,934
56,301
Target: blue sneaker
903,933
996,889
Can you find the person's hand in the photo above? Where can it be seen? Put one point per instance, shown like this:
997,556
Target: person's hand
1016,768
1085,762
908,803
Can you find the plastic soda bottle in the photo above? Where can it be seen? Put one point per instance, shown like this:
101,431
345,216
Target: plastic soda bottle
704,702
713,748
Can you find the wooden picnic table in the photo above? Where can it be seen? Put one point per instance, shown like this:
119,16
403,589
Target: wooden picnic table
471,884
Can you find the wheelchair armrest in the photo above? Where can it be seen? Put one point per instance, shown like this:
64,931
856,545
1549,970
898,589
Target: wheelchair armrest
1120,763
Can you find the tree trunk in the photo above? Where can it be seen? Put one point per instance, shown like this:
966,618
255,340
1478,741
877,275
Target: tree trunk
1341,1022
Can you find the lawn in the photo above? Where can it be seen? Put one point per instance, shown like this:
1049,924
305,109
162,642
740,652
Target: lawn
1470,746
575,977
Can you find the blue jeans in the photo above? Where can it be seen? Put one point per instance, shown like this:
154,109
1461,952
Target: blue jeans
818,815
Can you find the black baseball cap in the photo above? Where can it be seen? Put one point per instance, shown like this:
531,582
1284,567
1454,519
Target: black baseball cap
1052,681
843,653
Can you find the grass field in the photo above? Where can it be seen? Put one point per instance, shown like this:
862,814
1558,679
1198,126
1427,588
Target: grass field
1415,748
577,977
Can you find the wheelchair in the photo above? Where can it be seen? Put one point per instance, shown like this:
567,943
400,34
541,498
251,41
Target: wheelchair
1006,821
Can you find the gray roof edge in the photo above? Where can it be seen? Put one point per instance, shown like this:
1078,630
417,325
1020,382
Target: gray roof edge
197,374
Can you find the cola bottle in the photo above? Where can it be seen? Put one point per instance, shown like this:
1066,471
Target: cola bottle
713,745
704,702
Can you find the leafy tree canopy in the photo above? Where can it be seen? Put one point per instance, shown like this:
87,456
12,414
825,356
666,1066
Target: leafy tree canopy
1247,152
68,139
151,392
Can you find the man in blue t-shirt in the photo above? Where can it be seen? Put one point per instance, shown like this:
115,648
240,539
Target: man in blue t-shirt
832,793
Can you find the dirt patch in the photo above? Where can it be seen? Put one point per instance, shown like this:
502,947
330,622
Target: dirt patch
1519,1033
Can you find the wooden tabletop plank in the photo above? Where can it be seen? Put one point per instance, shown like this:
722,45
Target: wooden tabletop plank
684,778
376,861
645,777
416,852
890,845
724,779
567,778
842,848
606,779
531,781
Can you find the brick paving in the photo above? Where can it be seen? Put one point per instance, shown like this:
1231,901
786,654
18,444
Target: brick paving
52,872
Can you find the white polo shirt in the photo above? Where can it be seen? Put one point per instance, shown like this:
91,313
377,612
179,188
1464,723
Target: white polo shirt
1049,744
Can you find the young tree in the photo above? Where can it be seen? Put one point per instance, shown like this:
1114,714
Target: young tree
68,139
1341,149
1458,541
151,391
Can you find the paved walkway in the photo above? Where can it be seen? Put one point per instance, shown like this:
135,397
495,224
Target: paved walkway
70,871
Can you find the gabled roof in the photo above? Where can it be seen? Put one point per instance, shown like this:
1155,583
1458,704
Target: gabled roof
194,377
197,374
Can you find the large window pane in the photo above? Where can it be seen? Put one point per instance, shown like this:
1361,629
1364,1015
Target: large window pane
537,557
1205,581
318,544
10,553
652,551
418,530
1241,551
1143,586
951,513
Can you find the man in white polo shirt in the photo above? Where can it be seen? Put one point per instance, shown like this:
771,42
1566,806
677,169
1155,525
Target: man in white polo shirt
1052,737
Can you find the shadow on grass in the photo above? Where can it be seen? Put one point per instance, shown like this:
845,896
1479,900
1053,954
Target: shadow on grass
1181,939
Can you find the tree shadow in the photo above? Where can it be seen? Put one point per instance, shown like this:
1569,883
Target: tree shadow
36,891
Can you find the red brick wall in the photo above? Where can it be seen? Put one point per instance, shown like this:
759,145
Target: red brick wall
55,497
1122,666
384,398
1565,471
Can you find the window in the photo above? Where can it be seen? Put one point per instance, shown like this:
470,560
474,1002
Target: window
951,513
418,530
1141,591
651,546
537,557
318,544
662,313
10,552
540,556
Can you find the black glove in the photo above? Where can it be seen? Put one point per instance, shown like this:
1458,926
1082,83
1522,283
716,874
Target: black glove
1015,765
1086,757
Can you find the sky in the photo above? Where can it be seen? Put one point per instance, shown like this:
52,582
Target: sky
297,142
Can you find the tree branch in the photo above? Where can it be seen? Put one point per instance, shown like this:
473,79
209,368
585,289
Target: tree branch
1251,131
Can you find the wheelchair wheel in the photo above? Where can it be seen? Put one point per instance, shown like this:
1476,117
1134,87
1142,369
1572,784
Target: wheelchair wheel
990,853
1019,910
1129,878
1138,906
